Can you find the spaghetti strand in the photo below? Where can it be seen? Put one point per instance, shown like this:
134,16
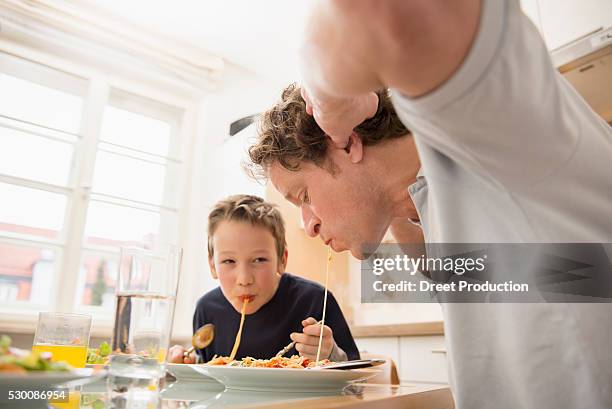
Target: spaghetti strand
239,334
329,258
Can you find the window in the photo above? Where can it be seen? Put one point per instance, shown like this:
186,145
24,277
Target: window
130,190
26,274
31,210
38,103
97,275
38,134
85,167
8,291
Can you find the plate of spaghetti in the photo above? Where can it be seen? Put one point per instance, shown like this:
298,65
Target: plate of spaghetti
296,362
280,374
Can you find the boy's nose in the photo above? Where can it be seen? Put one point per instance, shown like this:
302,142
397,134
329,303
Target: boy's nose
312,224
244,277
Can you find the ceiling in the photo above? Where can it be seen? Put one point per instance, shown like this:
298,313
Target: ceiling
262,36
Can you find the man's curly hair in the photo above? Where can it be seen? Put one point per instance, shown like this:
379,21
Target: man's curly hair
288,135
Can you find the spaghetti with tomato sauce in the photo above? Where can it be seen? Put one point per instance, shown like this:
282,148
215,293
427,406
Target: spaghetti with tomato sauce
296,361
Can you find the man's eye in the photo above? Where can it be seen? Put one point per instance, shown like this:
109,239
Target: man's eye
305,197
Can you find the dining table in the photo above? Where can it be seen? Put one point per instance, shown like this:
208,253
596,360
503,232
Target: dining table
200,395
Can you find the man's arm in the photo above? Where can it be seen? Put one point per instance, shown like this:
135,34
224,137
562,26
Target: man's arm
352,47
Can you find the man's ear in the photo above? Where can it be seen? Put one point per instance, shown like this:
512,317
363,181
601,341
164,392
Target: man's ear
213,271
354,148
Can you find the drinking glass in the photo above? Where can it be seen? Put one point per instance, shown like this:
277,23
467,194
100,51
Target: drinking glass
65,336
144,311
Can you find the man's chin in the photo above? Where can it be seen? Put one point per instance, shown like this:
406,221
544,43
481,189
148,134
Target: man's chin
365,251
354,252
358,254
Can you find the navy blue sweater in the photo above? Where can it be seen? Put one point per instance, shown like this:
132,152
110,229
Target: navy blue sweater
267,331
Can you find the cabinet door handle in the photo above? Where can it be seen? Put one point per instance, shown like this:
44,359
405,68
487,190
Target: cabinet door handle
438,351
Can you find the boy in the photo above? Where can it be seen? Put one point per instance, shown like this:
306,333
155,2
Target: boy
247,253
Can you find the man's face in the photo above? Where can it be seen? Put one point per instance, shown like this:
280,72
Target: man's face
346,209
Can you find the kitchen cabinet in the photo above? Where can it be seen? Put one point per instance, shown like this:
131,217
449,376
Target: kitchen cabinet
423,359
417,358
388,346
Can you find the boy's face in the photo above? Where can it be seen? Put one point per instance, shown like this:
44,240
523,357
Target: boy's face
246,264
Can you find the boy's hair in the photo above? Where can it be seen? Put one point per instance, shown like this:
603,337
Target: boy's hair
250,209
289,135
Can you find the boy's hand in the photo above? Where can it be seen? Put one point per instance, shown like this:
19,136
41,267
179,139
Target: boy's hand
176,356
308,340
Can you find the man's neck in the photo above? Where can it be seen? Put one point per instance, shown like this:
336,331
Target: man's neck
396,165
405,231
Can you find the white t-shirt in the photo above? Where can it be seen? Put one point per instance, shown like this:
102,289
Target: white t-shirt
511,153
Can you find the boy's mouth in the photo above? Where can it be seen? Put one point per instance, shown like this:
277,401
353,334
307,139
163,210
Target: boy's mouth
248,297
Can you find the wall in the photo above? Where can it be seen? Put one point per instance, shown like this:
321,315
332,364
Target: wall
563,21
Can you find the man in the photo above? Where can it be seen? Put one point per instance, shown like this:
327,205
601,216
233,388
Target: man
509,153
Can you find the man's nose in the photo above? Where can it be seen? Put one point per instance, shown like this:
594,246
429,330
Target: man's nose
312,224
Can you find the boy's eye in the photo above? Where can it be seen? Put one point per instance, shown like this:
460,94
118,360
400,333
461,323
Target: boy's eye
227,261
260,260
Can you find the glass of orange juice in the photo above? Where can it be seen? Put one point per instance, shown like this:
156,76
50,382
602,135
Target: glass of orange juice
65,336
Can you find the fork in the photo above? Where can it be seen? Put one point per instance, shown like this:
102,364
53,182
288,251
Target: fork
291,344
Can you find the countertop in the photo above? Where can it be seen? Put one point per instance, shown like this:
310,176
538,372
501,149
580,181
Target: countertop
398,330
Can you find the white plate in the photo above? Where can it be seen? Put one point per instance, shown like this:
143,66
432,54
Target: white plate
43,379
187,372
285,379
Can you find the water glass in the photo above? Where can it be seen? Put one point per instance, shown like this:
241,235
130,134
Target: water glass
145,298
